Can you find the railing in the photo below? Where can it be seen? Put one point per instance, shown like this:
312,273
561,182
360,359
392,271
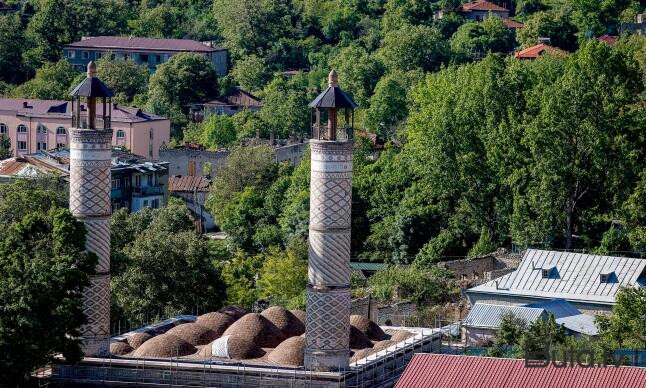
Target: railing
142,191
320,132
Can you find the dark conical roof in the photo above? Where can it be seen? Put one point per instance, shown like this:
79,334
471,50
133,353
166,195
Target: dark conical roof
333,96
91,86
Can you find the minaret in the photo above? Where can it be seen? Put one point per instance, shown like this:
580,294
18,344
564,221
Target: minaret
90,186
327,333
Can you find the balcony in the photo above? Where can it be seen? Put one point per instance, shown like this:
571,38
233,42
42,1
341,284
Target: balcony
146,191
320,132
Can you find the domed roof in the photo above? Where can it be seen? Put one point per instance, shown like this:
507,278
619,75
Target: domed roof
381,345
235,312
368,327
289,352
232,347
218,322
300,314
164,346
359,354
358,340
193,333
257,329
287,322
400,335
135,340
120,348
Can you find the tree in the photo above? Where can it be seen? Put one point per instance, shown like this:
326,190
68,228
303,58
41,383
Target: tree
186,78
634,214
528,7
423,286
162,21
358,72
240,275
238,217
555,25
218,131
475,39
251,73
12,44
23,197
44,270
283,276
125,78
626,327
5,147
414,47
285,112
295,216
512,328
53,81
398,13
388,105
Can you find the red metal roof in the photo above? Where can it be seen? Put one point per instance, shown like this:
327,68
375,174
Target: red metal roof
449,371
535,51
610,39
188,183
512,23
482,5
135,43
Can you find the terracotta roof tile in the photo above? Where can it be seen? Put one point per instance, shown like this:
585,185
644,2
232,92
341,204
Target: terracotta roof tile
482,5
512,23
450,371
610,39
535,51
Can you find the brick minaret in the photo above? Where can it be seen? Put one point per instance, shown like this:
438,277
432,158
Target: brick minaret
327,333
90,180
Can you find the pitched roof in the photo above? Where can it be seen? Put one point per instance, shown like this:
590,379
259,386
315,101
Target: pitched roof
136,43
29,167
333,97
482,5
489,316
577,277
512,23
450,371
610,39
63,109
187,183
237,97
91,87
535,51
568,315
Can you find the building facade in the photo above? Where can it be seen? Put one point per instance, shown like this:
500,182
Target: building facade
144,51
39,125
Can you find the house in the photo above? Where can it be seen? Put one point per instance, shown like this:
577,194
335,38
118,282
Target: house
193,190
144,51
638,27
231,103
39,125
136,182
484,319
512,24
538,50
481,9
609,39
451,371
588,282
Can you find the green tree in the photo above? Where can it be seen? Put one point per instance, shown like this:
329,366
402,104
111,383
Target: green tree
634,213
483,246
251,73
23,197
555,25
388,105
53,81
5,147
12,44
186,78
240,275
44,270
295,216
626,327
283,276
475,39
238,217
358,72
218,131
285,111
512,328
125,78
423,286
414,47
162,21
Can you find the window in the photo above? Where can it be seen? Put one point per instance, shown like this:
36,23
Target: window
137,180
60,146
41,129
112,56
546,273
145,203
150,180
126,56
116,183
157,58
61,131
155,204
21,129
98,55
121,134
143,58
604,278
3,128
85,55
71,54
41,146
151,134
22,145
150,150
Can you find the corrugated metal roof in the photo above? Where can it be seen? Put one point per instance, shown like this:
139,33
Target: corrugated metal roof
360,266
489,316
578,277
449,371
188,183
569,316
559,307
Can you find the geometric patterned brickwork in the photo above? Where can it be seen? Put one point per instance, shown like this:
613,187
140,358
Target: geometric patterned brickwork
327,328
90,189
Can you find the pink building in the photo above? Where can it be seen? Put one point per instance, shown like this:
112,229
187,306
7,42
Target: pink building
34,125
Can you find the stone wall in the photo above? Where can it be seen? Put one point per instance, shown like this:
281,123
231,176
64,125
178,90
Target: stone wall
189,161
483,268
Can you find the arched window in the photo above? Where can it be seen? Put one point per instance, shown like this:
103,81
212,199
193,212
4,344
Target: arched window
151,133
41,129
121,134
61,131
21,129
3,129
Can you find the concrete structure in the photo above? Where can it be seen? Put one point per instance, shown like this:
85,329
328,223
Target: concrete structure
144,51
588,282
193,190
231,103
483,268
90,202
328,290
39,125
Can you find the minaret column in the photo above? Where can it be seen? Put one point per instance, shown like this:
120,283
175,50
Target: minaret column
327,335
90,187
